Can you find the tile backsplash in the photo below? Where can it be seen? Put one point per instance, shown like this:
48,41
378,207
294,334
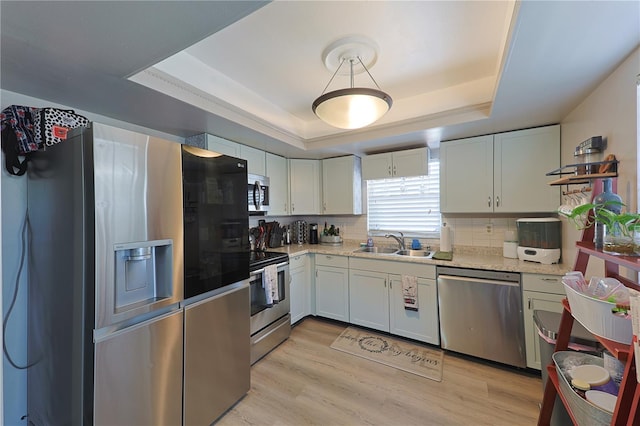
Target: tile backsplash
466,231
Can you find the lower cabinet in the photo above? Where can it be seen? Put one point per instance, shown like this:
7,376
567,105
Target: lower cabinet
376,300
299,290
369,299
421,324
539,292
332,287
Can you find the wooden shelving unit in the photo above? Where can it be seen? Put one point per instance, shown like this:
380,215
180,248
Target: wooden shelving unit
627,411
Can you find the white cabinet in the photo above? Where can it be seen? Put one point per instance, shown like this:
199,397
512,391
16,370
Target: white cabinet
410,162
223,146
305,186
502,173
342,185
255,157
539,292
300,286
369,299
421,324
255,160
277,170
376,300
299,290
332,287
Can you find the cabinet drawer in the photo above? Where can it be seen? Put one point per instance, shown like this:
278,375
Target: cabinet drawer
331,260
299,261
543,283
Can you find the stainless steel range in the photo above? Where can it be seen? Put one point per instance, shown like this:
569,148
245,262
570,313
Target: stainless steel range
270,319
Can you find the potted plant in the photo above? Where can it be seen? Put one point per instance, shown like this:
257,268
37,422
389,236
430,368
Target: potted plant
622,230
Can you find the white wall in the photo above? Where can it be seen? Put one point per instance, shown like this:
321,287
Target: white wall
609,111
13,202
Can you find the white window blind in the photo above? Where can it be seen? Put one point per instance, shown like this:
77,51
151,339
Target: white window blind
410,205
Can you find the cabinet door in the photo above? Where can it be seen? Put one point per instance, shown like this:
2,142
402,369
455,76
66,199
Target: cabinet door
305,186
377,166
411,162
255,160
332,293
341,185
369,299
422,324
466,175
277,169
299,288
533,300
223,146
521,161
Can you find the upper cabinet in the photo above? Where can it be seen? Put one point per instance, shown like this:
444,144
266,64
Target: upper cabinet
502,173
223,146
256,160
255,157
277,170
304,186
410,162
342,185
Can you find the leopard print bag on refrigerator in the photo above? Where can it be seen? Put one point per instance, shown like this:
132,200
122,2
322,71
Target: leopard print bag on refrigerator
51,125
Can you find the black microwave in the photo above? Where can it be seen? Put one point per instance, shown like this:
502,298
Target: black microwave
258,194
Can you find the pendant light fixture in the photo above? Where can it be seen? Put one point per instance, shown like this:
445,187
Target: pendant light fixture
353,107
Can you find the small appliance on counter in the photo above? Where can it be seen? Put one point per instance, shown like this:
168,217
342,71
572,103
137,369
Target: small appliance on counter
539,239
313,233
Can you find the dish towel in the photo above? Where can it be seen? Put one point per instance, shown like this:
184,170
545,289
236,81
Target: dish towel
270,284
410,292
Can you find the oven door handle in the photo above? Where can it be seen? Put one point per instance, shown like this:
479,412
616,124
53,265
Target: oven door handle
260,271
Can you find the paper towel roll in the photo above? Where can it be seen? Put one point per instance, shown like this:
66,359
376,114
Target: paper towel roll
445,238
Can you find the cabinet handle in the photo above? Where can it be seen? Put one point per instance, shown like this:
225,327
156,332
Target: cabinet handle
390,174
394,170
554,280
293,208
324,207
390,284
385,283
497,201
529,303
489,201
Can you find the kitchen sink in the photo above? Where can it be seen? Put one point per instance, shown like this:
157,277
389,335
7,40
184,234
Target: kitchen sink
377,250
415,253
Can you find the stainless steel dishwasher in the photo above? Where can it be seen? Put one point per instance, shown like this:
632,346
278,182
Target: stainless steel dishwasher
481,314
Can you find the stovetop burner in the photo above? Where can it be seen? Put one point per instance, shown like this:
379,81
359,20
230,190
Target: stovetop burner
260,259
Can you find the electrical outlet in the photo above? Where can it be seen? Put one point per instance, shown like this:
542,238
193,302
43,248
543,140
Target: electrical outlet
489,228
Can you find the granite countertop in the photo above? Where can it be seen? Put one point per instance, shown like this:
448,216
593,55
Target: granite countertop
475,258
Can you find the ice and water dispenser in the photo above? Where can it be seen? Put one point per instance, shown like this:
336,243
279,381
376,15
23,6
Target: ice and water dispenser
143,274
539,239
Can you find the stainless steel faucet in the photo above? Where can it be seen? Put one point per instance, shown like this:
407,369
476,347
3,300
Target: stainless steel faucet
400,239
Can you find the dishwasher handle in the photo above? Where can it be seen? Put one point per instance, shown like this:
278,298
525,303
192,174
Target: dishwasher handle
479,280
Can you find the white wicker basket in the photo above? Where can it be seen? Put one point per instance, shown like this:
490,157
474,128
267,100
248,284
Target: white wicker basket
596,316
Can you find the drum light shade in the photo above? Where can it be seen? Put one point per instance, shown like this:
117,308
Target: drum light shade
352,108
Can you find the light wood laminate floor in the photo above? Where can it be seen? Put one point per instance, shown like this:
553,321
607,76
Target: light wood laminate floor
305,382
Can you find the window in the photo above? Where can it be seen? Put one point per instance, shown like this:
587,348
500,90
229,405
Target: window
410,205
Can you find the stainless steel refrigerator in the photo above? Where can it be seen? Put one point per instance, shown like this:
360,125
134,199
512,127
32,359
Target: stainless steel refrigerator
105,330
